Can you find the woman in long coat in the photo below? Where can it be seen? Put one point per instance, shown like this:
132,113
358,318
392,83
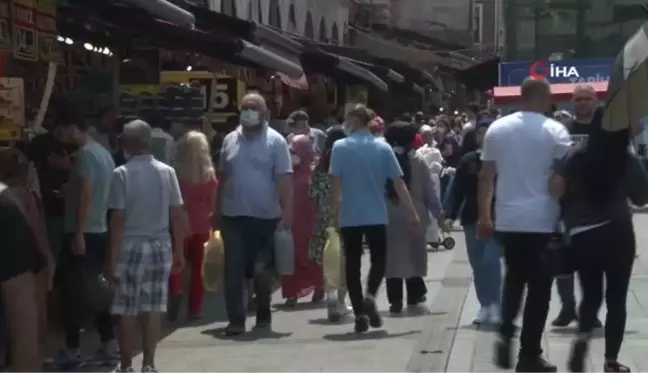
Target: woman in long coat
406,250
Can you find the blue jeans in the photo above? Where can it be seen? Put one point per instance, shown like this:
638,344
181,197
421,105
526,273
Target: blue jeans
248,246
446,191
484,257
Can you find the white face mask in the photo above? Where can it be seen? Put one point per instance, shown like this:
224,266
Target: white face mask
250,118
296,160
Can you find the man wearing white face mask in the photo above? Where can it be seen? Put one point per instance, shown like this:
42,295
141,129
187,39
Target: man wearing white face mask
255,198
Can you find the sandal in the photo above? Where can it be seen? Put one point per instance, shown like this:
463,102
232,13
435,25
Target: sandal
615,366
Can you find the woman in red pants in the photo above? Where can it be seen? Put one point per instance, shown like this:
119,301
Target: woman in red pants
195,171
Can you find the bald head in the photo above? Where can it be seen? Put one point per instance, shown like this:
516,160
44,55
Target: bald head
584,89
585,102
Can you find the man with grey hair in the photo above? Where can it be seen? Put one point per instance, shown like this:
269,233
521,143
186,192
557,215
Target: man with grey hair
254,199
147,230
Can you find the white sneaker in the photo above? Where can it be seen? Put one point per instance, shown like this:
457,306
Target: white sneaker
483,316
149,369
344,309
495,314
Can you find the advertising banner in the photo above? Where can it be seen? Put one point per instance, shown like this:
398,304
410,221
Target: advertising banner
512,74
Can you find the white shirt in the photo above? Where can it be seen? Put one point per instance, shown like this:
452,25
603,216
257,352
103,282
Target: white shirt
524,146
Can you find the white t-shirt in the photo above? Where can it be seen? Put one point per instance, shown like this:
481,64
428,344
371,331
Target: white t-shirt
524,146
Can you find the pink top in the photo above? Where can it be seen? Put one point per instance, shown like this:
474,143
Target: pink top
199,203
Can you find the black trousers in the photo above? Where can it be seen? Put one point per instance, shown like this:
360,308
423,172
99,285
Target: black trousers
376,238
524,256
609,251
415,287
96,250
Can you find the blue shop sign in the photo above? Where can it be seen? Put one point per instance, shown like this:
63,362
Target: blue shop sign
566,71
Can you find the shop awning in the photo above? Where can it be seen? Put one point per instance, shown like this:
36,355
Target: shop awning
164,10
481,77
559,92
168,35
317,61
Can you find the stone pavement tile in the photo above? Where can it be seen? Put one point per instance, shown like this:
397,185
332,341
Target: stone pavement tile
301,339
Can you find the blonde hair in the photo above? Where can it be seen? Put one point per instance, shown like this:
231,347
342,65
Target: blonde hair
193,161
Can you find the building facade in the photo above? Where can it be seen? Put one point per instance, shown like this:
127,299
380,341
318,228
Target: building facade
569,29
320,20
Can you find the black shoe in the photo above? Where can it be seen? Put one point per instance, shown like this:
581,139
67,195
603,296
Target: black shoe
503,354
416,301
576,362
375,321
565,317
361,324
396,308
263,321
535,364
233,330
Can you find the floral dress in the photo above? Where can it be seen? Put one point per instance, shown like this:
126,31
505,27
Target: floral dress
320,191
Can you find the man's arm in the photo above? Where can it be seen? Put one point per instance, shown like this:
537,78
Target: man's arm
84,173
486,179
485,191
283,175
178,216
116,205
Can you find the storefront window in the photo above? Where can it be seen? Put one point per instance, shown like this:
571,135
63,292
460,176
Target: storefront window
568,28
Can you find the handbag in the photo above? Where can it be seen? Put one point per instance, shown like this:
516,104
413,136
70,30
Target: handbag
214,264
331,259
284,252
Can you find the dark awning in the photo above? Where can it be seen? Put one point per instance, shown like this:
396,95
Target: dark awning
381,71
164,10
481,77
168,35
317,61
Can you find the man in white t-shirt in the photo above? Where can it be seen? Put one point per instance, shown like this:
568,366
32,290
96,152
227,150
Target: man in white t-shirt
520,149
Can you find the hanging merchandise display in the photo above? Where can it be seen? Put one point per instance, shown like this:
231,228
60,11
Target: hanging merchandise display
12,108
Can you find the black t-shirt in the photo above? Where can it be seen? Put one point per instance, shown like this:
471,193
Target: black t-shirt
19,252
50,178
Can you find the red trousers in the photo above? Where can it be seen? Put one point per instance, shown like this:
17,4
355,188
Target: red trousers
195,253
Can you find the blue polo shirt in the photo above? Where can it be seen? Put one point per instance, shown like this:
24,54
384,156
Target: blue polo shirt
364,164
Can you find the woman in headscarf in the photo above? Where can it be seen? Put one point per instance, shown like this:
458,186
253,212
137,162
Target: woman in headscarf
595,181
483,255
307,275
320,192
407,249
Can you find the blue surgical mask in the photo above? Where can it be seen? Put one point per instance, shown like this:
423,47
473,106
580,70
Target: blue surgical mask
250,118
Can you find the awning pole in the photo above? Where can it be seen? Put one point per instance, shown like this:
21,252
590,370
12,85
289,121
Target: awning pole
208,128
47,93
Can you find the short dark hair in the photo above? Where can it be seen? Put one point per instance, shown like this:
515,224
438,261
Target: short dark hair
70,116
298,115
474,107
532,89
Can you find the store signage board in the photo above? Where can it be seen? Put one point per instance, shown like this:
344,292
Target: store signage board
25,40
589,70
12,108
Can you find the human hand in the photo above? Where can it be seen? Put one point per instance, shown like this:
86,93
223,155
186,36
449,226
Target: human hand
285,223
485,229
78,245
413,221
445,225
178,263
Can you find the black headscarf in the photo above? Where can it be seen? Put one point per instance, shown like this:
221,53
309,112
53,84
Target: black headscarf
400,135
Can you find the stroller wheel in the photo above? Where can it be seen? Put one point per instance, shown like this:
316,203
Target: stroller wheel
449,243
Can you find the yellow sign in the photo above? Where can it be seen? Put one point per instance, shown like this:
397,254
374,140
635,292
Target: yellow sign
9,133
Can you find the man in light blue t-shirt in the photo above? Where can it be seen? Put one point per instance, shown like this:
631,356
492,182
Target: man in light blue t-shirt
86,237
361,165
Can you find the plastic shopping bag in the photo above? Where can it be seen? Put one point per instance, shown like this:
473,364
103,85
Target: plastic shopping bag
214,264
331,259
284,251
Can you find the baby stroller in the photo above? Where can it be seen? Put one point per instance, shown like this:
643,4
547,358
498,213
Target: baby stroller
445,241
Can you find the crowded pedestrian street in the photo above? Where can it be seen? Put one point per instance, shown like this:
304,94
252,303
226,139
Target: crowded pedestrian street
438,336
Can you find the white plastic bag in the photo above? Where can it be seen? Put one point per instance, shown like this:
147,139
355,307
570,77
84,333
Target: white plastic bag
284,252
331,260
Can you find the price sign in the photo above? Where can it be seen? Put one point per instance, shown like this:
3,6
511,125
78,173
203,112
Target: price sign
25,41
224,99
